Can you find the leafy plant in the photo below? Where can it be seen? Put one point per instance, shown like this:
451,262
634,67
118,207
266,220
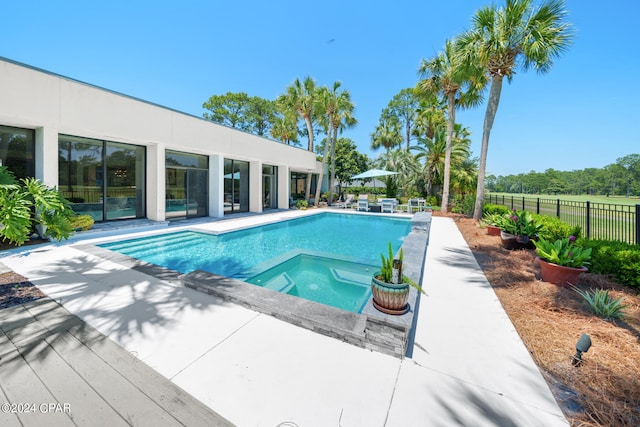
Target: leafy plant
602,304
493,219
29,203
563,252
521,223
302,204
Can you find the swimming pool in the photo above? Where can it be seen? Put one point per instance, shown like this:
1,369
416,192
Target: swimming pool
355,242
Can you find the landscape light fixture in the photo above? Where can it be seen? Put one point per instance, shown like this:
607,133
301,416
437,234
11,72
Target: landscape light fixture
582,346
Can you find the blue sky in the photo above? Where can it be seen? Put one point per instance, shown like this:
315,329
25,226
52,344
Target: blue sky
583,113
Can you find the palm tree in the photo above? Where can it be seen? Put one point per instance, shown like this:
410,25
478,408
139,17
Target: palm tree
461,84
343,119
434,153
430,115
401,161
302,97
387,135
285,128
338,114
503,39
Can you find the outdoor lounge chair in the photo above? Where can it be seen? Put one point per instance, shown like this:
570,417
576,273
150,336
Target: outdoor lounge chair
414,206
387,205
346,203
363,203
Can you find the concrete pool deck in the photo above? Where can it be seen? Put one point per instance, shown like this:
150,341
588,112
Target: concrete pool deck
468,367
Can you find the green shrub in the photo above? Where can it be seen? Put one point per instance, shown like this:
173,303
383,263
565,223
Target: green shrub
619,259
602,304
302,204
555,229
432,201
82,222
463,204
490,208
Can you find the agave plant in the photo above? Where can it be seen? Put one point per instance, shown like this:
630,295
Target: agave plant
602,304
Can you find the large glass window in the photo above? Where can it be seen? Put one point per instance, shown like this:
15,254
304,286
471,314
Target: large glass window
187,184
103,179
236,186
299,185
269,187
17,148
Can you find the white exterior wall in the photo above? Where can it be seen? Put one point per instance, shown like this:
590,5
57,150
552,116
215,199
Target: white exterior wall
53,105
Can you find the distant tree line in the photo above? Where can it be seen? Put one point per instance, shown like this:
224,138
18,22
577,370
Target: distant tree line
621,178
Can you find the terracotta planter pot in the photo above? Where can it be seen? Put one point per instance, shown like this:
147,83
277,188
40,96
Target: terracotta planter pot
559,274
388,297
511,241
492,230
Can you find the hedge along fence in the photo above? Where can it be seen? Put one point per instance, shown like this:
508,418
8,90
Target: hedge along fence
598,220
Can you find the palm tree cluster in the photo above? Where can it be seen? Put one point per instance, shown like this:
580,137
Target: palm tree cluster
501,40
329,109
320,109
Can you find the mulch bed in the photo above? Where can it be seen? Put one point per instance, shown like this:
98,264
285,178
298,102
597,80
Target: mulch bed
605,390
16,289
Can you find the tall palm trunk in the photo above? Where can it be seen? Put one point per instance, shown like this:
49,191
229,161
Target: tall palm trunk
324,163
451,106
332,181
489,116
307,192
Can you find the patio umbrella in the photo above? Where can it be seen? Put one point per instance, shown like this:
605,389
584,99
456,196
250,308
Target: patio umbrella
373,173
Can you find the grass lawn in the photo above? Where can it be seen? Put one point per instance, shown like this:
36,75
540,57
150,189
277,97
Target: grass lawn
614,200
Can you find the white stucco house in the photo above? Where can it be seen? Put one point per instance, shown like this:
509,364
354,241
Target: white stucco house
117,157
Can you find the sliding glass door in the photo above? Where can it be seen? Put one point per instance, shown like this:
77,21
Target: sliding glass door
187,185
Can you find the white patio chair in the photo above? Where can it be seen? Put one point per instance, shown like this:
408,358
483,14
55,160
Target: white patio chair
363,203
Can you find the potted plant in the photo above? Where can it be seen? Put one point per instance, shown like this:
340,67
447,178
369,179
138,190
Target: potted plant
519,230
493,222
562,262
389,287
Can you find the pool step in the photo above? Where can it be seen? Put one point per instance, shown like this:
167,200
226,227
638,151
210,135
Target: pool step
280,283
162,244
350,277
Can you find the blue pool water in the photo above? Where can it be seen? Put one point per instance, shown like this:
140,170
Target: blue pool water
246,253
330,281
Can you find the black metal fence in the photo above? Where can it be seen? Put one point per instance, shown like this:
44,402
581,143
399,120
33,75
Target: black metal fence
597,220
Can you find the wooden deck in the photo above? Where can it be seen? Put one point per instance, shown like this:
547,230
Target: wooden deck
56,370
